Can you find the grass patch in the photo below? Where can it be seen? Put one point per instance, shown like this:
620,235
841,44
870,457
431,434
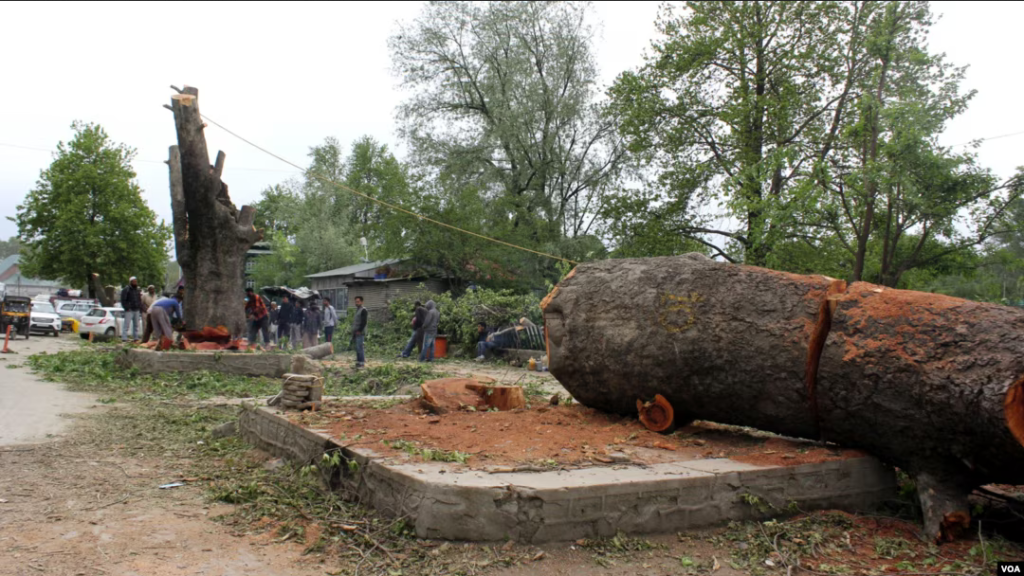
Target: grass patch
382,380
95,371
428,454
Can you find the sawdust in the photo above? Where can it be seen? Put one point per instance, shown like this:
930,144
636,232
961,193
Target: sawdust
562,435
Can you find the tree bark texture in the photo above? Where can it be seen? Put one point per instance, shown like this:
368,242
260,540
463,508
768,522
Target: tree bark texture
211,236
926,382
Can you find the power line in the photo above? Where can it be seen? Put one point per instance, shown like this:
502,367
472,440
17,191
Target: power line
382,202
980,140
147,161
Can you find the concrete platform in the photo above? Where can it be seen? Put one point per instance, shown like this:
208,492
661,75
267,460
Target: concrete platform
445,501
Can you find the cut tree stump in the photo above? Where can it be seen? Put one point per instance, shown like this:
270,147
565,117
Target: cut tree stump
925,382
211,236
453,394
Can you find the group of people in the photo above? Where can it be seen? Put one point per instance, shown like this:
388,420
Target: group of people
299,324
154,315
425,320
296,324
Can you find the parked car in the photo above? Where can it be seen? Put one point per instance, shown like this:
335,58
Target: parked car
106,322
74,310
45,319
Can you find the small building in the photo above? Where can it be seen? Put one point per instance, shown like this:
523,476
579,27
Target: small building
258,250
20,285
377,282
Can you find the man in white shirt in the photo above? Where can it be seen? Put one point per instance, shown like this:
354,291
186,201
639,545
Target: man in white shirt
330,320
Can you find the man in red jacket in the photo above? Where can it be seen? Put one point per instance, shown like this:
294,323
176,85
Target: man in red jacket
259,318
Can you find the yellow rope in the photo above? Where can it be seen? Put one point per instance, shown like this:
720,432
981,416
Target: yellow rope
382,202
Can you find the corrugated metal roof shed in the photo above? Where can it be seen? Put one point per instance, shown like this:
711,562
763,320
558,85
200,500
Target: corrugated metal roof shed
354,269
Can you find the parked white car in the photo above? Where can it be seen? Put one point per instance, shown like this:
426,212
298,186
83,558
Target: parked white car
75,310
106,322
44,319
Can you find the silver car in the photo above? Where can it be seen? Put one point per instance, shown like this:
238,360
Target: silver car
74,310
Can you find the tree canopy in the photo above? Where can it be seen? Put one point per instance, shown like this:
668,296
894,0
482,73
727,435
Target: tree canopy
803,136
504,107
86,215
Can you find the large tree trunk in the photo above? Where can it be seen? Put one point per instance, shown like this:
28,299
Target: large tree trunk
925,382
211,236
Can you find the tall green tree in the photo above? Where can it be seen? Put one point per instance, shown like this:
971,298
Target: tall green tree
374,171
894,198
734,102
86,214
504,97
277,211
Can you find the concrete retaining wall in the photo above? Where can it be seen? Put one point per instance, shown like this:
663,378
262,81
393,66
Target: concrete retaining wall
445,503
240,363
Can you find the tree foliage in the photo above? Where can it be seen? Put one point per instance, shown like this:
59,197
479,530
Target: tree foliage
317,225
86,214
803,136
504,106
734,101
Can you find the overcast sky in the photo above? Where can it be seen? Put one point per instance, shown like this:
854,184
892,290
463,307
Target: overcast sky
287,75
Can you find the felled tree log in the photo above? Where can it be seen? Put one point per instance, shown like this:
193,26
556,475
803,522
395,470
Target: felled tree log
211,236
925,382
321,351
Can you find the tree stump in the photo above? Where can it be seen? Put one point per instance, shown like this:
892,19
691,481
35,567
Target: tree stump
925,382
211,236
453,394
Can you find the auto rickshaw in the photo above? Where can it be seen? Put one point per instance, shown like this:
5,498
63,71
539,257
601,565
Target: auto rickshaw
15,311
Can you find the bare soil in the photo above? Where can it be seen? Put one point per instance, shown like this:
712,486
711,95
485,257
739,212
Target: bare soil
70,508
564,435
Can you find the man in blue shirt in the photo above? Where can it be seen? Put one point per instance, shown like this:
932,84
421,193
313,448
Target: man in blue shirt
161,313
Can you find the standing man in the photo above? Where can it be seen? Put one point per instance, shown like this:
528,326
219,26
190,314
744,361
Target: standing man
359,320
330,320
284,322
430,332
257,314
295,326
131,301
311,326
274,315
148,299
418,317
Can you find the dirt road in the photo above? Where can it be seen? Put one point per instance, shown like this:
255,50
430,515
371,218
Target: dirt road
72,503
32,410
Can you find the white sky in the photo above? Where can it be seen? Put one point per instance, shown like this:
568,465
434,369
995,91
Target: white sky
287,75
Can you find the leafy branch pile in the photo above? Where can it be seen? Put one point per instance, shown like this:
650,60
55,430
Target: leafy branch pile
836,543
383,380
459,315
